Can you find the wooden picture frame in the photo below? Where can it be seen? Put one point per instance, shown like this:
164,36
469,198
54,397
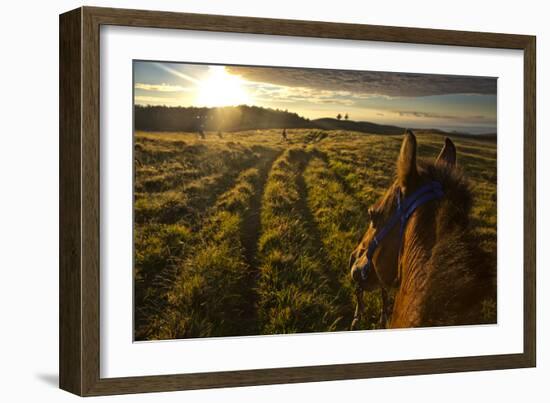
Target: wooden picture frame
79,347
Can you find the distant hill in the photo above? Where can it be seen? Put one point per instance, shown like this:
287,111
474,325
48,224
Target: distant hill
484,136
366,127
244,117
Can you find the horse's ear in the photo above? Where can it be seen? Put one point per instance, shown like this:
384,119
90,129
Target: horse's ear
447,154
407,173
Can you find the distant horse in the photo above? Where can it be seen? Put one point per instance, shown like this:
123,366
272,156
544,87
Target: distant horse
284,136
420,244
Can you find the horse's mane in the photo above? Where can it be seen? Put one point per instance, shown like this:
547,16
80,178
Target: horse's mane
453,182
449,274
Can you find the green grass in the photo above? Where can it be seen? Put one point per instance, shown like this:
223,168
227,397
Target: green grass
294,295
341,220
210,292
246,234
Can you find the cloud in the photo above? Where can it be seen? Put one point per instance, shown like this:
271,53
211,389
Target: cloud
176,72
286,94
368,83
432,115
429,115
160,87
145,100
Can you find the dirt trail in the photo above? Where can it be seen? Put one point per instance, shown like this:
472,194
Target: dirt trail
334,272
251,229
251,222
313,230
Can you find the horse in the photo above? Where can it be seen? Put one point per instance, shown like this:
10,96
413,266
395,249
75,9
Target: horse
420,244
284,137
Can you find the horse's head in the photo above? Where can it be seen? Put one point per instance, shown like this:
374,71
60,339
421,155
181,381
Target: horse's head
375,261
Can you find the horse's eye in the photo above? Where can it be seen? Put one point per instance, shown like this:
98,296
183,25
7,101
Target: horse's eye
371,214
374,215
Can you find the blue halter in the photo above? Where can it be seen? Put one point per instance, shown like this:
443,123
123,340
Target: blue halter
405,208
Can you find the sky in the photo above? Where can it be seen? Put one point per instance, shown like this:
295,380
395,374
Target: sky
451,103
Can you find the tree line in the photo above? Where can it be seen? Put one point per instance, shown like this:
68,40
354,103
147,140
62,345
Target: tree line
230,118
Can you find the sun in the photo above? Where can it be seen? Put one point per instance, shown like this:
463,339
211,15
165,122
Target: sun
220,88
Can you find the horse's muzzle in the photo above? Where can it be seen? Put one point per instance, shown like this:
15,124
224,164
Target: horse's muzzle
362,270
369,283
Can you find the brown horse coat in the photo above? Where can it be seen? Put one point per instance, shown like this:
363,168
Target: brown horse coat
441,275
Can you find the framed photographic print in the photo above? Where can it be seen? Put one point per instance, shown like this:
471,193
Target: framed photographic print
249,201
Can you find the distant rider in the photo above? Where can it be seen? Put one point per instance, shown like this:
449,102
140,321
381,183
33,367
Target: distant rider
283,136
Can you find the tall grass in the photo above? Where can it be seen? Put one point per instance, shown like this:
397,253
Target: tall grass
211,293
176,181
169,213
293,291
341,220
221,252
158,252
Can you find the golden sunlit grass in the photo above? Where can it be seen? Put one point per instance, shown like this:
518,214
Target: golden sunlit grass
248,234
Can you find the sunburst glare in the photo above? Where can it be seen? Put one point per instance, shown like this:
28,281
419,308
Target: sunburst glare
220,88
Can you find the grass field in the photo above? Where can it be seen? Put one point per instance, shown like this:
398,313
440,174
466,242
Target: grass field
241,233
